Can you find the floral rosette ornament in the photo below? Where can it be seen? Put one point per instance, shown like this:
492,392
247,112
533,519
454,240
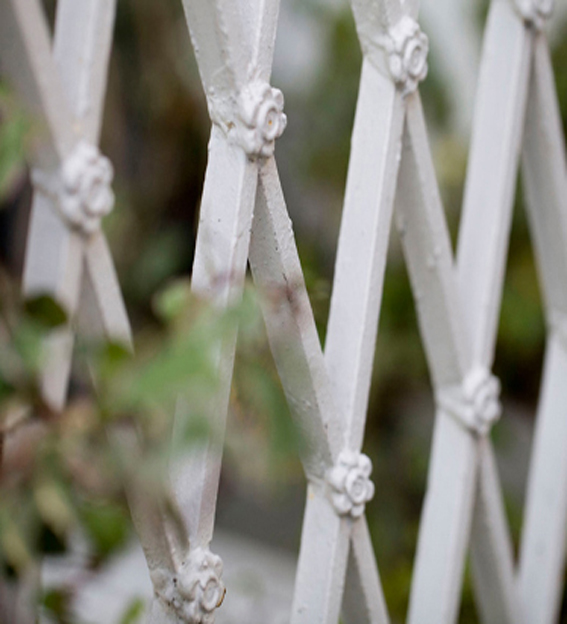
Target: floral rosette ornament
536,12
407,48
195,590
261,118
476,402
82,188
350,484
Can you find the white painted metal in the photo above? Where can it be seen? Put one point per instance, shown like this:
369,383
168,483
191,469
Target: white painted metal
385,30
447,509
542,553
276,269
234,48
492,558
244,217
496,138
65,91
297,352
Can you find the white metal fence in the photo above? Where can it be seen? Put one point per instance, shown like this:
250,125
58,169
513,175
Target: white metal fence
244,219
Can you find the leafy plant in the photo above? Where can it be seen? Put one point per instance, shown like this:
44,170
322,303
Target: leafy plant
64,473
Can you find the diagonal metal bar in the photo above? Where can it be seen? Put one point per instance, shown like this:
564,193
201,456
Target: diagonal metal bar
487,212
445,525
375,17
323,557
542,547
82,44
54,263
489,194
218,276
229,58
363,599
221,44
423,230
81,49
352,325
543,542
446,515
491,175
291,328
545,185
265,14
363,243
54,256
63,92
110,307
491,545
353,320
355,307
297,352
29,64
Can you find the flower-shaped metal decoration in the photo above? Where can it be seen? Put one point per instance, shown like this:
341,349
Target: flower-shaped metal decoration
476,402
407,48
261,118
82,188
350,484
195,590
536,12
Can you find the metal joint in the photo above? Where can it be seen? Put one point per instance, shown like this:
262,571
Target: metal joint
254,119
475,403
535,12
406,48
81,188
350,484
194,590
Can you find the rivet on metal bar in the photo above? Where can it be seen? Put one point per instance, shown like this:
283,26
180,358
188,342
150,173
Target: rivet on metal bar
194,590
254,119
406,47
350,484
535,12
81,188
475,403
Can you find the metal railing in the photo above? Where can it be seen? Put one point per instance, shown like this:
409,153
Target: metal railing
244,219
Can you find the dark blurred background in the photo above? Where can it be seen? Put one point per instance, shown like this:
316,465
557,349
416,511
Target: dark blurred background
155,132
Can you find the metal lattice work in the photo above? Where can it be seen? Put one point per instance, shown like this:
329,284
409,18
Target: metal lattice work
244,219
64,84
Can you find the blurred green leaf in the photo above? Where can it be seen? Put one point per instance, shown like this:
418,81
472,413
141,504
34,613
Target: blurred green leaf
14,546
46,311
54,506
57,603
173,300
134,612
107,526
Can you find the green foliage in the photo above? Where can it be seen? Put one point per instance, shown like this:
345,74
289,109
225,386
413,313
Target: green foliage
133,612
106,524
56,604
66,471
332,103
